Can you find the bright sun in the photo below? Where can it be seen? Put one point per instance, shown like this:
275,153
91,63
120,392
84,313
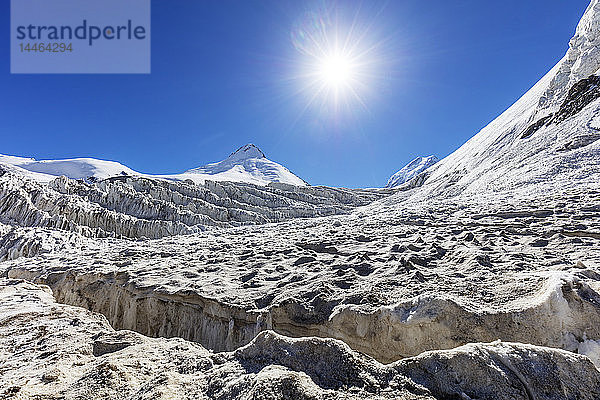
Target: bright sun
336,71
338,65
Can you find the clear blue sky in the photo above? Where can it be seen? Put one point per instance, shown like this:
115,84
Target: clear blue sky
220,74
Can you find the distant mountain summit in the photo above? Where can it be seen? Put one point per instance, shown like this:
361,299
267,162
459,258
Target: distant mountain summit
411,170
246,164
75,168
245,152
238,157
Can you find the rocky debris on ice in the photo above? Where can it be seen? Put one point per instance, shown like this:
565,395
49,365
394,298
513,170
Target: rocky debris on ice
53,351
581,61
391,281
579,96
411,171
497,241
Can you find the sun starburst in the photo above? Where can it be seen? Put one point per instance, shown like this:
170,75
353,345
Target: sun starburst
337,62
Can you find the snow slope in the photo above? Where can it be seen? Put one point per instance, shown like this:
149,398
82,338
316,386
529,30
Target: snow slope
75,168
521,150
411,170
247,164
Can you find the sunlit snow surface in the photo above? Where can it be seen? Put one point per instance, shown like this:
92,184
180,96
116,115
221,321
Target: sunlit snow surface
498,241
248,164
411,170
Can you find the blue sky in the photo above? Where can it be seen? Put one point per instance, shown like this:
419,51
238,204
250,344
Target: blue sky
225,73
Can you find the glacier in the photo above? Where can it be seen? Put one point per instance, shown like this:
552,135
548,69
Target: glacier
479,278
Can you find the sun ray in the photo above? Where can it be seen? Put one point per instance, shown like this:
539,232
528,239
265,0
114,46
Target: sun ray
336,60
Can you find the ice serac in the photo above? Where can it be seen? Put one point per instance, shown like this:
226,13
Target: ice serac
53,351
498,241
411,171
137,207
546,139
249,164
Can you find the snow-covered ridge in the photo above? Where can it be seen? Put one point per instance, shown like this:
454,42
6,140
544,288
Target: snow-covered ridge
528,148
248,164
411,170
74,168
581,60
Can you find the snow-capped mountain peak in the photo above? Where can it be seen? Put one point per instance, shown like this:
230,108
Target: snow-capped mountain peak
246,152
241,157
247,164
411,170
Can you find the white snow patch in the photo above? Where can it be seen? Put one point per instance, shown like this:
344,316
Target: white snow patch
591,349
595,123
